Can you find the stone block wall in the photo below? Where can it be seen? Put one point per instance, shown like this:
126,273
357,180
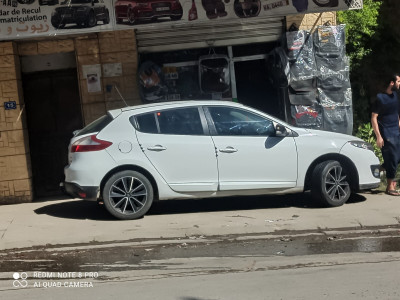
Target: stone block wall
310,21
117,47
15,167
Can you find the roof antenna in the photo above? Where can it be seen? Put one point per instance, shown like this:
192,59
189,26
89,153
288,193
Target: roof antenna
126,104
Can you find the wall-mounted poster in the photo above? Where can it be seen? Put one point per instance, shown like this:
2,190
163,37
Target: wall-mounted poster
19,19
27,18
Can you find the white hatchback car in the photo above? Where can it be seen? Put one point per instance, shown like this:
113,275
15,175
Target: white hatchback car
197,149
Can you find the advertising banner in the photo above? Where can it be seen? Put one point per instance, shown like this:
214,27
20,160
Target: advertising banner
27,18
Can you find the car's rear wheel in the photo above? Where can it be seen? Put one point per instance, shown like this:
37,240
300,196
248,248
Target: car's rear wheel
131,16
128,195
91,20
330,184
57,24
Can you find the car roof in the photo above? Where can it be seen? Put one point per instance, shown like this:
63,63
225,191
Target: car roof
172,104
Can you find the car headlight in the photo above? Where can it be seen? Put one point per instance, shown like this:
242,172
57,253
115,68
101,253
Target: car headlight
363,145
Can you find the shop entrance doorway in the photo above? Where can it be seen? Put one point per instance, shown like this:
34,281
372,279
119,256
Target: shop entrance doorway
254,89
53,112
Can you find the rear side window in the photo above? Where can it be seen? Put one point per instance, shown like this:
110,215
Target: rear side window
183,121
147,123
96,126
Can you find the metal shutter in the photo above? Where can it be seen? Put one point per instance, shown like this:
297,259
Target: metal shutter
208,34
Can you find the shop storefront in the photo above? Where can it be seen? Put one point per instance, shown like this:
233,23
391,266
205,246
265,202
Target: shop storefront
65,63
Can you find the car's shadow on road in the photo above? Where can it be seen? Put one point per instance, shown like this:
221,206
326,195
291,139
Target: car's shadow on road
82,210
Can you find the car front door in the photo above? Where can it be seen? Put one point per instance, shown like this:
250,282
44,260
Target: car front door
250,155
175,142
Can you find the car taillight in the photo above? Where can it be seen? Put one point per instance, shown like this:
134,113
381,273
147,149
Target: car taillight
89,143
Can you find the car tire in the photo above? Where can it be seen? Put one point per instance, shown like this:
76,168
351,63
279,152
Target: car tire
128,195
106,19
57,23
26,1
131,16
326,3
91,20
330,185
177,18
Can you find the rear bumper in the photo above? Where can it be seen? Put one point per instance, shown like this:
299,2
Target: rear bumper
83,192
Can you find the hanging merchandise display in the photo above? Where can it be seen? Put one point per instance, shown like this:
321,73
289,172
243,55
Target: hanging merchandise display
329,98
338,119
152,87
318,85
214,76
307,116
329,41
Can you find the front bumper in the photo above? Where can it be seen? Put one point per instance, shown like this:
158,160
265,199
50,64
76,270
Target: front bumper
83,192
369,186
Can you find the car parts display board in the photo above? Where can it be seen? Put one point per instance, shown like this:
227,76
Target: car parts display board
27,18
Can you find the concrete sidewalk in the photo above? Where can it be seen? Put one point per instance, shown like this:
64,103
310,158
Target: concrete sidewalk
73,221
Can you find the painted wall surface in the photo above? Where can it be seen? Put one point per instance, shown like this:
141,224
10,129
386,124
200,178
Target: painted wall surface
27,18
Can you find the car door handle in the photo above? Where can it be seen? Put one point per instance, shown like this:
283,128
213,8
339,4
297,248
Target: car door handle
156,148
228,149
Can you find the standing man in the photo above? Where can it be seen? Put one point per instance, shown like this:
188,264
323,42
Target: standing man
385,122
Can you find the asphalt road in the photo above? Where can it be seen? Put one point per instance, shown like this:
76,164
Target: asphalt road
275,247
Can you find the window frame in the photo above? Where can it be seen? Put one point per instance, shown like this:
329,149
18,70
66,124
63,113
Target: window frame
213,129
133,120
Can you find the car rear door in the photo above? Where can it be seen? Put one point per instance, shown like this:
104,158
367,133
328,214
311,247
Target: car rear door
176,143
250,156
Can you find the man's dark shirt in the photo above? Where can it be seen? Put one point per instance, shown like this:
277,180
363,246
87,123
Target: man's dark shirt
387,108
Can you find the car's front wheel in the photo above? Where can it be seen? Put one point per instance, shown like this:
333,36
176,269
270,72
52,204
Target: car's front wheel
106,19
330,184
128,195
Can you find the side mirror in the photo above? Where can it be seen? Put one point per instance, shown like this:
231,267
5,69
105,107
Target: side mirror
280,130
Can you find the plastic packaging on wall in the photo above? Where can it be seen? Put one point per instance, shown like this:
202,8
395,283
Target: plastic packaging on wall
329,40
303,68
299,43
306,116
335,98
303,98
334,81
338,119
319,90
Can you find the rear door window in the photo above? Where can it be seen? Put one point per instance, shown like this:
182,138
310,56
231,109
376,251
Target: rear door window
147,123
180,121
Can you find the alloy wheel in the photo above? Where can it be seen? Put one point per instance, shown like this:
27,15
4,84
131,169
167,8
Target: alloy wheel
336,185
128,195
